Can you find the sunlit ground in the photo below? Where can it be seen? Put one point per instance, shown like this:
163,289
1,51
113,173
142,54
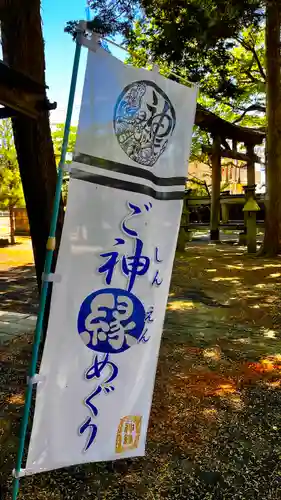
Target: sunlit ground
18,286
215,427
20,254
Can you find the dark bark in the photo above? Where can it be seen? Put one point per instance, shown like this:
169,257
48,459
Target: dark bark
271,243
23,49
12,226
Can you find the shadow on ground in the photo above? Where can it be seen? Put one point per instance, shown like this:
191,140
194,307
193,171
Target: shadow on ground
215,424
18,290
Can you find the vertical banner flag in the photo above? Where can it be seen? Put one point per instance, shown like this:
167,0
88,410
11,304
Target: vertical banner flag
127,183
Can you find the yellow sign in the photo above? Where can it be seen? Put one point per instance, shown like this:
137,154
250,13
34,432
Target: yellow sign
128,434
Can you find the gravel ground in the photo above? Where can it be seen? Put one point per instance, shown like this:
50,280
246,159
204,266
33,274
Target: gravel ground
215,424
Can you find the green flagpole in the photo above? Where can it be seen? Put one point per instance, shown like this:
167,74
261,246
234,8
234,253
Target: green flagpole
47,269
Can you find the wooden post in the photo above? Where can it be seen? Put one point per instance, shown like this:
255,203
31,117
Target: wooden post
182,235
188,232
251,208
234,147
271,242
225,212
215,195
251,232
250,191
250,165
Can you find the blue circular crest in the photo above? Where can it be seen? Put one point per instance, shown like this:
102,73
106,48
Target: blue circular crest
111,320
144,121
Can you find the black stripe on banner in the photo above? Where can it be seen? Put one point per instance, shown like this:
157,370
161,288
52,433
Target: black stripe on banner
125,186
122,168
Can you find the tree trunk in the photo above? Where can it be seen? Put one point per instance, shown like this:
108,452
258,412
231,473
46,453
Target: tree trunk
12,226
23,50
272,235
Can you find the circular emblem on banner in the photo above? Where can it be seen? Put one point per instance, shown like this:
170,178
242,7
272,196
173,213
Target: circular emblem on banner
144,121
111,320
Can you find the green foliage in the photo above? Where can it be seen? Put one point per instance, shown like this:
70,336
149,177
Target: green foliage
111,17
57,137
197,36
244,67
200,138
241,61
194,34
198,187
218,44
215,43
11,192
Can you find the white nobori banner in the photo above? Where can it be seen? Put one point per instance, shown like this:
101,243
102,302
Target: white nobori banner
115,260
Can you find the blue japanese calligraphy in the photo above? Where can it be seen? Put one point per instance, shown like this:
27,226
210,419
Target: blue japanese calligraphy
149,313
109,266
105,371
112,320
93,431
132,266
157,259
135,265
157,281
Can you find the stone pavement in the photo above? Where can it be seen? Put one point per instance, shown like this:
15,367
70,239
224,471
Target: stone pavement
14,323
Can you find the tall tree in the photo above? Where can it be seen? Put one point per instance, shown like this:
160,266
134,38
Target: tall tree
11,192
23,50
273,66
199,37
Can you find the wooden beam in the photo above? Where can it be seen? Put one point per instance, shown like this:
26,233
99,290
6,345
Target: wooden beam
207,120
20,93
229,199
238,225
7,113
19,101
234,155
13,78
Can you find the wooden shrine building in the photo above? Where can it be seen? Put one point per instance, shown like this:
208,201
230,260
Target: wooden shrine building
222,132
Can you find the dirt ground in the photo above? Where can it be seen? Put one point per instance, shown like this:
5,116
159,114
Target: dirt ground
18,285
17,255
215,424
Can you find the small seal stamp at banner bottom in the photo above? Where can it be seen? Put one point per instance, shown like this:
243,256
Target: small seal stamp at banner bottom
128,433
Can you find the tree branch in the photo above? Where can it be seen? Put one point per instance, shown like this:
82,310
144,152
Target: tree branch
253,107
200,160
252,49
204,184
262,72
252,77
